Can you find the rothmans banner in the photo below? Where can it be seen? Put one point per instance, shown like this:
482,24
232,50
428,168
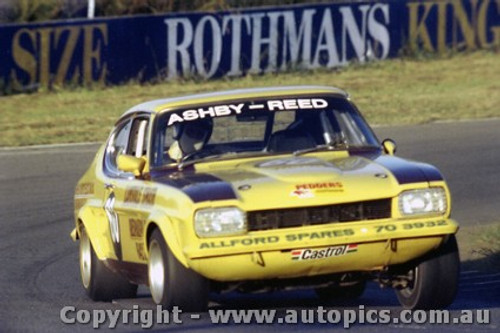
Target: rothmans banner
234,43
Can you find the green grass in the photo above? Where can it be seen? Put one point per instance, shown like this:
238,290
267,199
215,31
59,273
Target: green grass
402,91
480,247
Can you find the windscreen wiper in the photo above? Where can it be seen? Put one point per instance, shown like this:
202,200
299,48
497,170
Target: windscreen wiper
335,145
186,161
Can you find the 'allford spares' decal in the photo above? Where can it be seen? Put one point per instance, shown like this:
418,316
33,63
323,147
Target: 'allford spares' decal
295,237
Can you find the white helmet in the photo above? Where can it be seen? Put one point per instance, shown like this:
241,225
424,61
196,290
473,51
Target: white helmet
192,136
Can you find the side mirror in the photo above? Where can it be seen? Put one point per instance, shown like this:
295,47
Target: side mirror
132,164
389,146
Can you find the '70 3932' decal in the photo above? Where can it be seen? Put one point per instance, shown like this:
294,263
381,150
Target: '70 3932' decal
409,226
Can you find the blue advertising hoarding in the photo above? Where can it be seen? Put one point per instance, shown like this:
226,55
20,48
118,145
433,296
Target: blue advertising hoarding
234,43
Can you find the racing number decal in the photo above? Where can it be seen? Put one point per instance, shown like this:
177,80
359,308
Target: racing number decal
112,218
114,226
418,225
386,227
408,226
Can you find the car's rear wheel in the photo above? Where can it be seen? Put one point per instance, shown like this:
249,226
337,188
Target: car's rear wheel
100,283
171,284
433,281
341,293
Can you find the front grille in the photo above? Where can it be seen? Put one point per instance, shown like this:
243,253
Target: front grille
295,217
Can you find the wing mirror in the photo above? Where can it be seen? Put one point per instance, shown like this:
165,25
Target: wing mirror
389,146
128,163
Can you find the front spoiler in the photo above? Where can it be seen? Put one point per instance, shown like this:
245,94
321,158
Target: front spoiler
320,235
328,249
373,256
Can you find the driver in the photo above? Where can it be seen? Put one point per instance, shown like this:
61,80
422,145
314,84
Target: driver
190,137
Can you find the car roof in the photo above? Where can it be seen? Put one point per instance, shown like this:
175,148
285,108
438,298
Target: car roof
166,104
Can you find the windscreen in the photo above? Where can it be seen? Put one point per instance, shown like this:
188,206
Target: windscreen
272,126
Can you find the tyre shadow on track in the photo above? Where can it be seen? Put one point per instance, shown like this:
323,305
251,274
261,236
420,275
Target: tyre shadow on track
489,262
373,296
478,289
479,286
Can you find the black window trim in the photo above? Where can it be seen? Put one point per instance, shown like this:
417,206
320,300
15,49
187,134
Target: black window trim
129,119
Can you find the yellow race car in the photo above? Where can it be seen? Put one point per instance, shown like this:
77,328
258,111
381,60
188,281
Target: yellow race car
261,189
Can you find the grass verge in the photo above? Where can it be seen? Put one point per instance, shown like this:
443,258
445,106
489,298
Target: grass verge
480,247
399,91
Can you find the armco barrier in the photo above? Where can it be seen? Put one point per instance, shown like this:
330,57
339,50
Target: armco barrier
232,43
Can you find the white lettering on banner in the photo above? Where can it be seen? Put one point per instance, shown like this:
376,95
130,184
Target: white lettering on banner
199,50
378,31
357,37
236,37
258,41
293,39
262,42
329,46
174,47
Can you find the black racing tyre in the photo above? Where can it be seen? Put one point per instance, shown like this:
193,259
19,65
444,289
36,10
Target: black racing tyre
171,284
100,283
434,280
344,293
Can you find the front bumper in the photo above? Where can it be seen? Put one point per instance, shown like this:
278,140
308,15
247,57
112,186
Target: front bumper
316,250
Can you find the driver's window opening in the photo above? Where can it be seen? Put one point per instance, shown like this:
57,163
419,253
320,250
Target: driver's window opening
138,142
117,145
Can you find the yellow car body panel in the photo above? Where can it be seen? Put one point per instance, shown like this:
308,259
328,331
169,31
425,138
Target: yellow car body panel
170,214
264,183
277,264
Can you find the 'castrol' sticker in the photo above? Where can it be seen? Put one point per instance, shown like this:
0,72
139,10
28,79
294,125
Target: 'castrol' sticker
332,251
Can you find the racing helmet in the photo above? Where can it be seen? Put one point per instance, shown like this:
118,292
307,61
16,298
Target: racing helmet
193,135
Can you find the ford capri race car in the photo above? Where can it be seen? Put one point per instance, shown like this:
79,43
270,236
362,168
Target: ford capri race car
261,189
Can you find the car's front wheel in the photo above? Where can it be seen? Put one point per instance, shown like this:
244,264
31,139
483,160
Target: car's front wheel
100,283
433,281
171,284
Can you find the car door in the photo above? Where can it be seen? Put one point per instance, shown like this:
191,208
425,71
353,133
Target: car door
133,196
107,181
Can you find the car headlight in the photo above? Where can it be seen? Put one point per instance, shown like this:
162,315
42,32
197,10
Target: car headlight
213,222
423,201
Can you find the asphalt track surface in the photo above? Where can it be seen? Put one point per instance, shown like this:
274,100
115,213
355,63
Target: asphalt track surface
39,262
